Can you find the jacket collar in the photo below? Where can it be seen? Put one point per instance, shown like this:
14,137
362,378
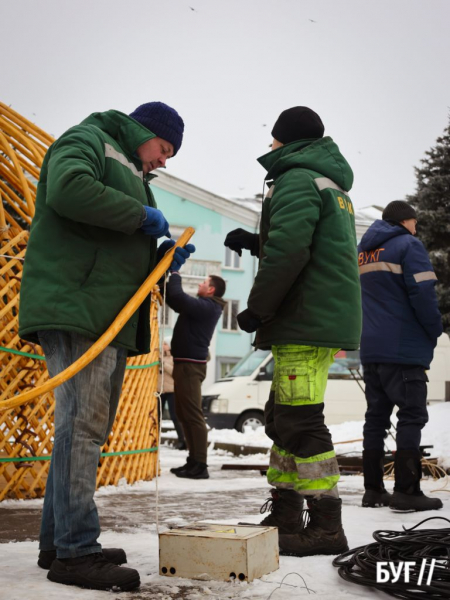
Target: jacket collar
128,133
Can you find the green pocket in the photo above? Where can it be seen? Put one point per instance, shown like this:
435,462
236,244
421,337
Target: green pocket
296,385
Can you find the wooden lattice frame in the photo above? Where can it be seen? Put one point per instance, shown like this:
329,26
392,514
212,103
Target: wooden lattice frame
27,432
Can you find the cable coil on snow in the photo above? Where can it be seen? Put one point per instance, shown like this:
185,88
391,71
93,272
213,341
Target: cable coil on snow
427,551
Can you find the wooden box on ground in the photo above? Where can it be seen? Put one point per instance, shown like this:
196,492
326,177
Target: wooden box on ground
220,552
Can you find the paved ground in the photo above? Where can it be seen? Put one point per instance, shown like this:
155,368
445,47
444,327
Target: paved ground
129,511
128,517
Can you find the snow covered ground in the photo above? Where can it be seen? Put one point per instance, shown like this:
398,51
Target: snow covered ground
227,497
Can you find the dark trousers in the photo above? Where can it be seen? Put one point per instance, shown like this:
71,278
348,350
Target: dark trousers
389,385
300,430
188,378
169,397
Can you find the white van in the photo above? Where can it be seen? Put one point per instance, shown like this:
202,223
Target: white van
238,400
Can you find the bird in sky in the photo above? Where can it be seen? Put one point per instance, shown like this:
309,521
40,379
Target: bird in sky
312,20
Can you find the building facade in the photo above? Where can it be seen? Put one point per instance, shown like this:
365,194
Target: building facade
212,216
185,205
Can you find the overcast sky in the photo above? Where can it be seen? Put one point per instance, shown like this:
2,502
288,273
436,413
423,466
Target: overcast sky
377,72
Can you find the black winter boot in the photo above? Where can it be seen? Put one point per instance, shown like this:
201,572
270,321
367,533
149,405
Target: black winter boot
373,468
93,572
286,511
322,535
189,461
407,494
116,556
374,499
195,470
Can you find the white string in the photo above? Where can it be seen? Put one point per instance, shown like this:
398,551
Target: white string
13,257
158,395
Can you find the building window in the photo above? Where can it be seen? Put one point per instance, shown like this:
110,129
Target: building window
230,312
232,259
224,364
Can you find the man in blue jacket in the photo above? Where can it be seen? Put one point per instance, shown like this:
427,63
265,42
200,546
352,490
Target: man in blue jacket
191,338
401,324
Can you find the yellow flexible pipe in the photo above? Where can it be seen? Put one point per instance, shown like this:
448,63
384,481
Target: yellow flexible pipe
103,341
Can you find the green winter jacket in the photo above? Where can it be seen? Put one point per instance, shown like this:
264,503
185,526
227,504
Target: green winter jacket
307,288
86,255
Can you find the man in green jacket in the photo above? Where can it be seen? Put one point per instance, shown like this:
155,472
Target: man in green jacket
92,244
305,305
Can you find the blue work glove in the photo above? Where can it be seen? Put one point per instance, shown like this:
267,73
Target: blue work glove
180,255
154,223
248,321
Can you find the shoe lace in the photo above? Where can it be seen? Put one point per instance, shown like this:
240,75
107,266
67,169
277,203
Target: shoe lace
102,562
268,506
305,517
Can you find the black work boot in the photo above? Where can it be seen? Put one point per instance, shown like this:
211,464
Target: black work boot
286,511
116,556
195,470
407,494
322,535
189,461
373,469
373,499
93,572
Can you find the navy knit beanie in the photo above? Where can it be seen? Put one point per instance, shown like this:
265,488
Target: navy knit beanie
398,210
297,123
162,120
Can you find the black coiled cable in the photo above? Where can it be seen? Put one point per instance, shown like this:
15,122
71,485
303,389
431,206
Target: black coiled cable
360,564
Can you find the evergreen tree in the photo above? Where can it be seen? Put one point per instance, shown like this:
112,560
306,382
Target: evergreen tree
432,203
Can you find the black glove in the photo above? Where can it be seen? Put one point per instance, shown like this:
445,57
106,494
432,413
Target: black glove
248,321
239,238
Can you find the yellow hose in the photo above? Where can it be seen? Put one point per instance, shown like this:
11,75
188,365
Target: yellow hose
125,314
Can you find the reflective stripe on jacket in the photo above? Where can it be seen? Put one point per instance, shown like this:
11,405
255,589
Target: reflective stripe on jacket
401,318
86,255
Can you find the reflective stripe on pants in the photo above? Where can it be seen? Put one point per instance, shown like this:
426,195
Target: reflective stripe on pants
302,457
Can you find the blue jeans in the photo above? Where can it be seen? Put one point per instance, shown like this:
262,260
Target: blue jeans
84,414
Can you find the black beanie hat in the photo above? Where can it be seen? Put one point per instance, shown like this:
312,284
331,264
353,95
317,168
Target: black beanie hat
398,210
162,120
297,123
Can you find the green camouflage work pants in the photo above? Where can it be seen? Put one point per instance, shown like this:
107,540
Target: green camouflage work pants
302,457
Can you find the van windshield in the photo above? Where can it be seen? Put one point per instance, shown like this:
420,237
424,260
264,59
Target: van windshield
247,365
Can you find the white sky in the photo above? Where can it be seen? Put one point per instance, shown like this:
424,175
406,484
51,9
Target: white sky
377,72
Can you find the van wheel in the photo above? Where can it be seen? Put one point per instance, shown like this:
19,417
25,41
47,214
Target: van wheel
252,418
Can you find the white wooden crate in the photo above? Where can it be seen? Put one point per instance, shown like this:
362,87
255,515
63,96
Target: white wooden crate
220,552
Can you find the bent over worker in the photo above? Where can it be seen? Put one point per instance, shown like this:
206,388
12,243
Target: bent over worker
92,244
304,305
191,338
